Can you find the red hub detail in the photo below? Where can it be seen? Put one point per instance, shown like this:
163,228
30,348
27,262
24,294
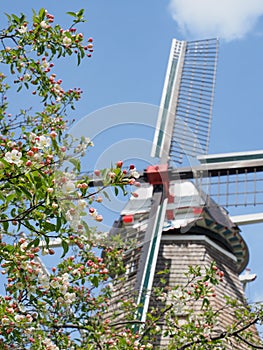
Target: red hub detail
127,219
158,175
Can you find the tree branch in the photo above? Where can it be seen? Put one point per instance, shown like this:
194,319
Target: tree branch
254,346
224,335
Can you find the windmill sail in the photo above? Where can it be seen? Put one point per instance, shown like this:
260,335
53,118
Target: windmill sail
234,179
184,119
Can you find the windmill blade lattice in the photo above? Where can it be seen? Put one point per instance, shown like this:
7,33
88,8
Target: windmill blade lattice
186,105
233,179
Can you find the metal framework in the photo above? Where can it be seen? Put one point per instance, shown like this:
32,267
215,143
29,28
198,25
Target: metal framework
183,125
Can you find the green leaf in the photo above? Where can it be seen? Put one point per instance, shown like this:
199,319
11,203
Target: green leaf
34,243
58,223
9,248
6,225
65,247
16,19
41,14
26,192
82,53
10,197
2,197
2,160
48,226
205,303
59,52
95,281
76,163
8,16
73,14
53,49
47,241
80,13
116,190
86,226
106,195
13,212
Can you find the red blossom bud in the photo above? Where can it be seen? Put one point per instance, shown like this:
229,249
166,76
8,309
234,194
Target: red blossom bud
134,194
99,218
30,153
119,164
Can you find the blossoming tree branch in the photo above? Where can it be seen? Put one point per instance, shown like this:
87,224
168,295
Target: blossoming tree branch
39,200
44,196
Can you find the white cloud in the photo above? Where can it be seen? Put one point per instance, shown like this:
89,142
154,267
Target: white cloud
227,19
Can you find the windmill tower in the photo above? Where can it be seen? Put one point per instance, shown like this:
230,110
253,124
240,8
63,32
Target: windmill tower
174,221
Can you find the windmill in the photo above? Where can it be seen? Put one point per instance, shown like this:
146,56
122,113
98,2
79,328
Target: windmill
178,220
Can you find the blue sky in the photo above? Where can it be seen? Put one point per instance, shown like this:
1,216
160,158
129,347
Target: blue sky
131,47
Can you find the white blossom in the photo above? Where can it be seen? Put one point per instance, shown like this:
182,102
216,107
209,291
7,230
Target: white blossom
5,321
54,284
37,157
57,88
66,41
14,157
11,144
76,272
88,142
44,25
42,142
22,29
29,330
19,318
44,64
29,318
23,246
69,297
134,173
27,77
64,283
49,345
82,146
44,280
65,277
68,187
45,251
32,137
82,204
19,286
